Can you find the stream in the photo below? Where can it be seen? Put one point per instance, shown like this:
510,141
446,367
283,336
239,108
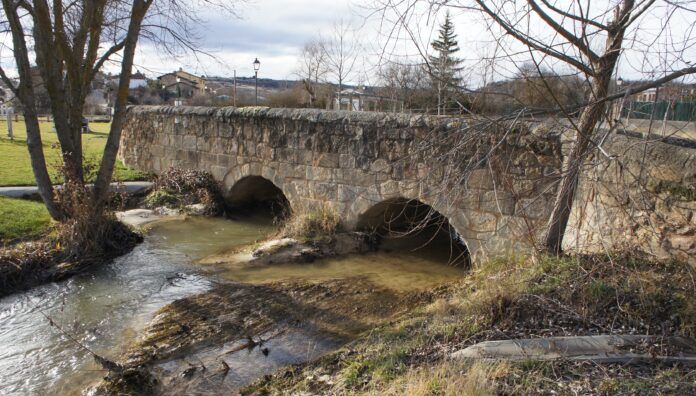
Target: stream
106,309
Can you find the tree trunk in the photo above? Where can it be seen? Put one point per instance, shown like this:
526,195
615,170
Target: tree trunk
25,95
106,168
563,205
38,164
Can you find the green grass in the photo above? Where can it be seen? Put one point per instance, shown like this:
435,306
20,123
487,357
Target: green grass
22,219
15,166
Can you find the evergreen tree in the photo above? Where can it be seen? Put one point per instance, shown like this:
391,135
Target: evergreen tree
444,66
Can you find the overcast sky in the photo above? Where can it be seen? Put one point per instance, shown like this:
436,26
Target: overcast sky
275,31
272,30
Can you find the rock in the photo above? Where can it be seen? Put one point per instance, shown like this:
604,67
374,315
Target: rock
198,209
165,211
289,250
138,217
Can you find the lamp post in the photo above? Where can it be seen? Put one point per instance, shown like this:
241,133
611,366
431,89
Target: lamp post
257,65
619,84
178,91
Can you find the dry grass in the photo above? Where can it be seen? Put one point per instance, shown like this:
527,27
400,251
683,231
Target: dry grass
450,378
323,220
516,298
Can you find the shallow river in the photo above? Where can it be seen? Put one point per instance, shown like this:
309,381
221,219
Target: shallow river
104,310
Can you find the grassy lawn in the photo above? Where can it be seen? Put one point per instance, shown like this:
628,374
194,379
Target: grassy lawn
15,167
22,219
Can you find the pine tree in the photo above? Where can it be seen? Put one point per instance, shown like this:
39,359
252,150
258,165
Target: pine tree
444,66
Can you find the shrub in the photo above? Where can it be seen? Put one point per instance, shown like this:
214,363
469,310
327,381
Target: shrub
85,238
178,187
312,223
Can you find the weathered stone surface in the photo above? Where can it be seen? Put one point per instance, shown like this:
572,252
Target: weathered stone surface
354,160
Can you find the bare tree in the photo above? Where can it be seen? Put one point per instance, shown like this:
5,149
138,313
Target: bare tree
597,64
406,83
312,68
587,37
70,42
341,51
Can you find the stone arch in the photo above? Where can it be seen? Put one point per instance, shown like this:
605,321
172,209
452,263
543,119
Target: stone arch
254,192
404,217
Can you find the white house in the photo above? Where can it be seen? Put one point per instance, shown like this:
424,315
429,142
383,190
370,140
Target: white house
137,80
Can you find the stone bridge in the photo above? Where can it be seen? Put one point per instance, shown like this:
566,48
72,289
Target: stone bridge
493,184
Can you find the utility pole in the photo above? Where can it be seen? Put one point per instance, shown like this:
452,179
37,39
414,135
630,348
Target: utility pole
234,89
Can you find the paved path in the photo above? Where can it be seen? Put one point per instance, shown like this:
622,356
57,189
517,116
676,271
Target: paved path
21,191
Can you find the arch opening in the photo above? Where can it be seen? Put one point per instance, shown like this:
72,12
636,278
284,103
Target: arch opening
402,223
255,194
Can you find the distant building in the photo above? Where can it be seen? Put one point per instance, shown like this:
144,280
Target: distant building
353,99
182,83
673,92
672,101
137,80
6,94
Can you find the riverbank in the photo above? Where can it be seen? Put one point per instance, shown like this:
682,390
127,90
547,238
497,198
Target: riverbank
390,341
35,250
187,345
49,258
511,299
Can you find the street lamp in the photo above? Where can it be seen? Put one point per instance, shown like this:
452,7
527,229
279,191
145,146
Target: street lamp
257,65
178,91
618,108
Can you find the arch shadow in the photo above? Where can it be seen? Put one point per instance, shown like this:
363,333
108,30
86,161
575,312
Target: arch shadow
256,193
419,226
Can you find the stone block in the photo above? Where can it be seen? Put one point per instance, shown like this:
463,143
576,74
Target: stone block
324,191
534,208
390,189
218,172
481,222
318,173
497,202
380,166
480,179
327,160
346,193
346,161
189,142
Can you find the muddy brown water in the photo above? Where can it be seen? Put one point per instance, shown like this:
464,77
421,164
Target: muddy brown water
106,310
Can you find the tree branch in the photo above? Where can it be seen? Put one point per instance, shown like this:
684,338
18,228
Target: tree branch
573,39
573,16
526,40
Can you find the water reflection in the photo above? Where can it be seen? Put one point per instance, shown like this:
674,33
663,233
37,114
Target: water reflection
104,309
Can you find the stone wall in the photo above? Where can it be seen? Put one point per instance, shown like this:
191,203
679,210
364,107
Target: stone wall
495,185
640,194
354,160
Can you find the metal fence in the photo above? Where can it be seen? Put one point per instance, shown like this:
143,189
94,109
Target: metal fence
675,111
